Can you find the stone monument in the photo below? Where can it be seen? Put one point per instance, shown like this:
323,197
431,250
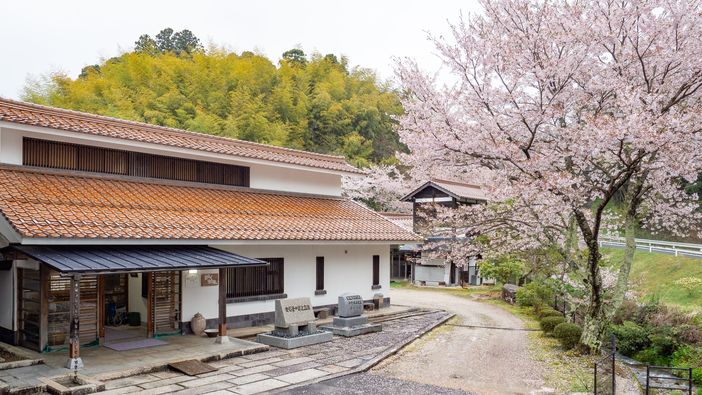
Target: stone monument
350,320
294,325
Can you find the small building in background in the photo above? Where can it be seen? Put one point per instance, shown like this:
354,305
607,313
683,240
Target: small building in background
426,270
402,256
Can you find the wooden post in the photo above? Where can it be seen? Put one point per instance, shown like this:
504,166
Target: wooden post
74,360
45,276
223,337
222,303
101,306
149,304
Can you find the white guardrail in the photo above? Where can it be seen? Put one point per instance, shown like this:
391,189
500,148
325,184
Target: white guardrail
665,247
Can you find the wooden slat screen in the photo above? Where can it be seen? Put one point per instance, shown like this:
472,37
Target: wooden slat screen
256,281
58,155
60,306
29,307
376,269
320,273
166,314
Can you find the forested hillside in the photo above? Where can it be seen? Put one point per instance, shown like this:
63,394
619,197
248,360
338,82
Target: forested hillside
312,102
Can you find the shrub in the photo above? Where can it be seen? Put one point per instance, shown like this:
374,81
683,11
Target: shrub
568,334
631,337
626,312
688,356
651,357
534,294
690,284
548,323
663,341
550,313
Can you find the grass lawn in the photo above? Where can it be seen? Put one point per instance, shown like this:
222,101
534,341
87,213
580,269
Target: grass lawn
654,275
458,291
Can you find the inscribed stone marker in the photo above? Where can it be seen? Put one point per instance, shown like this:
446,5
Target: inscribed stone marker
297,311
350,305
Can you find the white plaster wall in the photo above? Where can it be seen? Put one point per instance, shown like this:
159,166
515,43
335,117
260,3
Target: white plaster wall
346,268
7,296
10,146
136,302
271,177
432,275
293,180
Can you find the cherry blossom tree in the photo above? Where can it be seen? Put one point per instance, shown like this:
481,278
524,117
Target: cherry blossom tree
559,107
381,188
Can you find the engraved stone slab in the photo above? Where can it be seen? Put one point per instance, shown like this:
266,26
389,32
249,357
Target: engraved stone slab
350,305
297,311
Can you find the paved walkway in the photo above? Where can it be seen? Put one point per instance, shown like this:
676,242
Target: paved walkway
277,369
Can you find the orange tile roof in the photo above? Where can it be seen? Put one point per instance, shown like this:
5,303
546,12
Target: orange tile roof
56,205
74,121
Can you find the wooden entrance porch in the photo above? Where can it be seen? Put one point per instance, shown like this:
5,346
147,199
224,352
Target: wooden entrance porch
62,291
46,301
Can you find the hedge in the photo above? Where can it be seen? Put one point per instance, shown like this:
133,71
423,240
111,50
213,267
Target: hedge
549,313
548,323
568,334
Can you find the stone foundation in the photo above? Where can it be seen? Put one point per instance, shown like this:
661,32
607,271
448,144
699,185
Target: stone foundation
294,342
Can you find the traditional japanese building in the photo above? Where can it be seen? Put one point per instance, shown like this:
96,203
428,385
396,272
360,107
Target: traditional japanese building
101,214
425,200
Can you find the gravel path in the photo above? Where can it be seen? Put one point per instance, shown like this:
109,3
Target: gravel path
369,383
474,359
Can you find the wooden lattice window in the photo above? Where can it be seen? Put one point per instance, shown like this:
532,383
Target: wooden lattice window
256,281
67,156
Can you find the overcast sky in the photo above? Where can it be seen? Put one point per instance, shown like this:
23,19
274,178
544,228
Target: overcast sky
44,36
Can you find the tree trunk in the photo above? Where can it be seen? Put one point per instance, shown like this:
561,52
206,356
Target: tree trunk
632,200
599,317
594,330
594,326
622,285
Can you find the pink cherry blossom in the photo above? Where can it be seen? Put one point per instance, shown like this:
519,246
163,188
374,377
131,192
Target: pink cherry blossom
557,108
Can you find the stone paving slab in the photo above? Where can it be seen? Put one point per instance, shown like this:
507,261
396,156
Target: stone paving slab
259,386
249,379
276,370
302,375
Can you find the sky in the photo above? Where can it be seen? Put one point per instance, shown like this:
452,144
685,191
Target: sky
41,36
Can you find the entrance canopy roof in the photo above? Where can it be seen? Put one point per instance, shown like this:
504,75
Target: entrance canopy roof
93,259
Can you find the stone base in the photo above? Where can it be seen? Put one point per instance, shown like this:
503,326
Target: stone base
350,331
222,340
73,385
349,321
294,342
74,364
